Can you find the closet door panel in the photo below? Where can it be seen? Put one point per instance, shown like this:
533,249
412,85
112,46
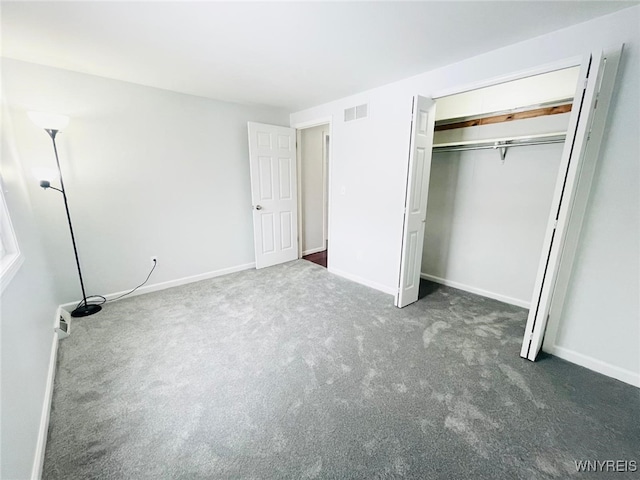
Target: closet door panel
579,157
415,210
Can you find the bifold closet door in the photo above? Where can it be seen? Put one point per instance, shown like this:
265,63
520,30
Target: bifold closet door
579,157
415,209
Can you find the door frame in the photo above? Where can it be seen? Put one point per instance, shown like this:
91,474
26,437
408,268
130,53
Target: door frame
476,85
567,250
326,167
326,145
517,75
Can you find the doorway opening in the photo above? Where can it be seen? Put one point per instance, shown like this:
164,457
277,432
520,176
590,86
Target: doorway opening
313,197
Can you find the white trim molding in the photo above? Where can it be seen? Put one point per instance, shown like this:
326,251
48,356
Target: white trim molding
313,250
312,123
171,283
529,72
11,259
38,459
478,291
622,374
363,281
9,266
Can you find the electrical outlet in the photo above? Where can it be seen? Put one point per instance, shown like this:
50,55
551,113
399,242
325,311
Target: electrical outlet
63,329
154,260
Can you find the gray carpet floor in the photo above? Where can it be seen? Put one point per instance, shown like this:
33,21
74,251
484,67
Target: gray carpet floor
292,372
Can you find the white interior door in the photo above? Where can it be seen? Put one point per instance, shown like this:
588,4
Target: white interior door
272,160
415,210
591,103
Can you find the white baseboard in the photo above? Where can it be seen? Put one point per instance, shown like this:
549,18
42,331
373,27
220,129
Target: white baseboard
171,283
477,291
363,281
313,250
38,459
624,375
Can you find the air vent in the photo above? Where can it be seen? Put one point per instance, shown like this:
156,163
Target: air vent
356,113
349,114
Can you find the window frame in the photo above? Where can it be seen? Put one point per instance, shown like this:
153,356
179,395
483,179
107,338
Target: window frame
11,258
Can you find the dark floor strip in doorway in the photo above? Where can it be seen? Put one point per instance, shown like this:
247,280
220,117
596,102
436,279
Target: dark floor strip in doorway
320,258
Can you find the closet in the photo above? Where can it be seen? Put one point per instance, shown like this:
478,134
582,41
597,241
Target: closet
483,175
494,168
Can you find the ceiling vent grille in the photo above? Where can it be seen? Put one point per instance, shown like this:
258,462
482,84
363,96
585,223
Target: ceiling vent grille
356,113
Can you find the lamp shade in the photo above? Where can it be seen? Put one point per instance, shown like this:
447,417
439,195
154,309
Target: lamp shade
49,121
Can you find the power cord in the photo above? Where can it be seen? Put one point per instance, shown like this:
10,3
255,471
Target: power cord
104,300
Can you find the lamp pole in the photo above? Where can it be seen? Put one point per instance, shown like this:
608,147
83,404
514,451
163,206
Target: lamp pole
84,309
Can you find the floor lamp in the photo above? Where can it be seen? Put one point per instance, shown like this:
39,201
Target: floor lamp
52,124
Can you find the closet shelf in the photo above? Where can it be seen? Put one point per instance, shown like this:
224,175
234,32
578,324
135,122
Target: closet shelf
501,143
521,113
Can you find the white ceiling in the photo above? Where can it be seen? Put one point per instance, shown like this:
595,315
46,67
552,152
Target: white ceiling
291,55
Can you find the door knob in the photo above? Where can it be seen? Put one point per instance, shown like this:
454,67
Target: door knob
258,207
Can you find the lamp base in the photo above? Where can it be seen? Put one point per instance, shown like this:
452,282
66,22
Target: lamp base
86,310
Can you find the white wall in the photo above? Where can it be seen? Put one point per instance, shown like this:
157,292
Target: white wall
312,151
366,185
368,176
486,220
148,172
28,307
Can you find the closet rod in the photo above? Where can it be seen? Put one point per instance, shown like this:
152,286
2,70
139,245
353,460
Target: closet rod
503,144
